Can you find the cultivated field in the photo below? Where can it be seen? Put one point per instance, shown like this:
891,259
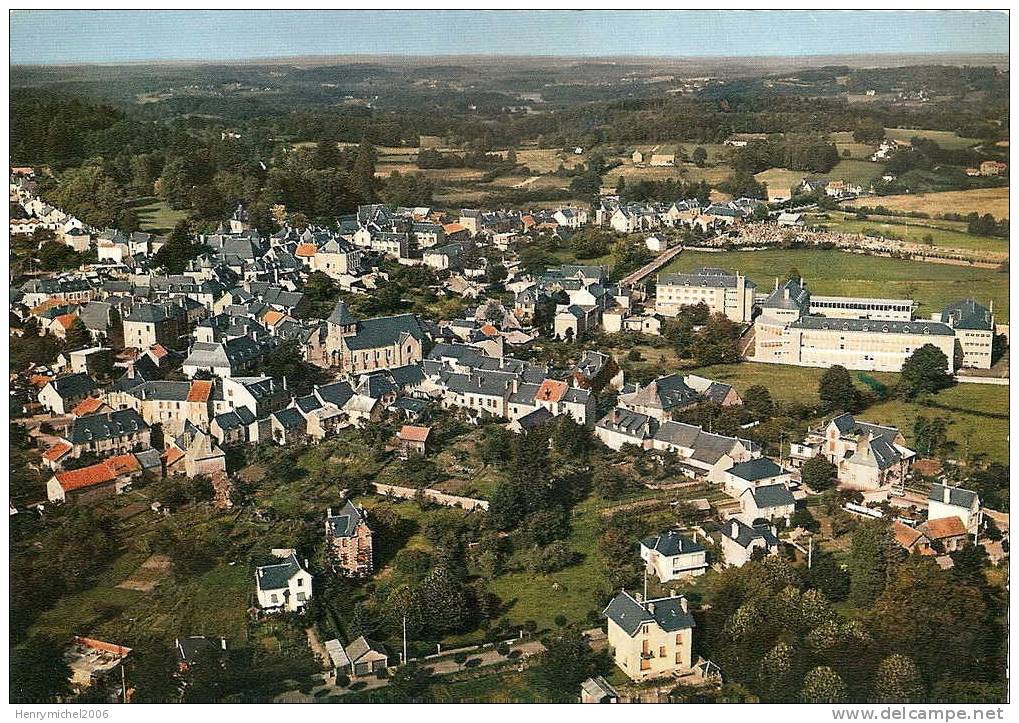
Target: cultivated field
941,234
979,200
846,274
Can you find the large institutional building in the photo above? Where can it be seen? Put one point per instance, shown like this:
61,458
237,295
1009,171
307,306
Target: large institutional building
723,292
866,334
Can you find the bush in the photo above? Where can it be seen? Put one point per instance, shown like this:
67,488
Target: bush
514,654
359,685
382,673
342,681
503,649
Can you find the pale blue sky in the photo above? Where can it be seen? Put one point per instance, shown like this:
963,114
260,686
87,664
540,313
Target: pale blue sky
98,36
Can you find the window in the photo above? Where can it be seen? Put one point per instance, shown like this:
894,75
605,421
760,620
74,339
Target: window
275,599
645,664
679,657
679,639
300,582
661,651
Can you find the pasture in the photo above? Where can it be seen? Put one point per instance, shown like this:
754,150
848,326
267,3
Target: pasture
945,139
978,200
841,273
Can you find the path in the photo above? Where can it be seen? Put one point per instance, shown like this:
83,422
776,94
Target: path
649,268
526,182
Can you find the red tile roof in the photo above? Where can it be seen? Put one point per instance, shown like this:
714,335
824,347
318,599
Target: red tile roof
66,320
96,474
412,433
452,228
159,351
200,391
551,390
88,405
272,316
172,455
944,527
57,451
123,464
306,250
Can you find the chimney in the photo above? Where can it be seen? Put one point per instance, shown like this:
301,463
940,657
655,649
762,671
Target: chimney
735,528
329,512
638,597
222,643
785,292
776,283
306,565
946,494
651,608
672,592
774,530
685,605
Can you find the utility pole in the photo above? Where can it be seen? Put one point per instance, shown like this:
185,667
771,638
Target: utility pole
645,584
123,681
405,639
810,551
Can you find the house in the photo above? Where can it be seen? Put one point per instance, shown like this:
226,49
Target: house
944,501
662,160
992,168
637,157
349,541
234,357
703,455
911,539
117,432
288,426
597,689
868,456
650,639
148,324
62,394
413,439
93,360
338,660
366,657
794,220
741,541
93,483
283,586
662,398
760,472
671,556
974,331
622,426
196,649
767,502
947,533
731,294
656,244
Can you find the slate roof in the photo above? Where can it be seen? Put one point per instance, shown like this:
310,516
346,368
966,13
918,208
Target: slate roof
799,297
671,543
106,426
277,576
705,277
769,496
756,470
934,328
629,614
384,331
626,422
345,522
74,385
289,418
968,314
957,496
745,534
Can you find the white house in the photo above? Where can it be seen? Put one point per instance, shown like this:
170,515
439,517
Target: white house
284,585
767,502
944,502
740,541
670,556
760,472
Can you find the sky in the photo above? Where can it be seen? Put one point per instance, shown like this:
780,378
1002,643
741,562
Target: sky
111,36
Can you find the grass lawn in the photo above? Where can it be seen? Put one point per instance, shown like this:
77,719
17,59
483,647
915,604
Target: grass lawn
156,217
856,171
977,414
581,587
840,273
844,140
786,383
945,139
914,231
979,200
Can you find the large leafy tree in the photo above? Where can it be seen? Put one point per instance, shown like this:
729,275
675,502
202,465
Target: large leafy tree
819,474
924,372
836,390
39,673
89,193
870,555
898,680
823,685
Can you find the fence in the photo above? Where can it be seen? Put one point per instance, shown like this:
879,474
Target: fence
441,498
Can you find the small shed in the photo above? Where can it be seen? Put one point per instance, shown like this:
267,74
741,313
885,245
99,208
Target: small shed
413,439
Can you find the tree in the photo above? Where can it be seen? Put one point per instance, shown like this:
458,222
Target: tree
716,342
699,156
826,575
930,434
150,671
362,175
78,336
819,474
38,672
439,604
758,402
823,685
924,372
898,680
90,194
836,390
567,662
55,256
179,249
869,560
776,677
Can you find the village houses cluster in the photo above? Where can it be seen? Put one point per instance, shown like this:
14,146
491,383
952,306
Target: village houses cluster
172,377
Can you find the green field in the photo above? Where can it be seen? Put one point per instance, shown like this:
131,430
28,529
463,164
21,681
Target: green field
839,273
780,178
945,139
858,172
156,217
977,414
945,234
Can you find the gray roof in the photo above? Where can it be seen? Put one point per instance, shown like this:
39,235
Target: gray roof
360,647
756,470
106,426
341,315
745,534
798,297
769,496
667,612
704,277
277,576
935,328
957,496
345,522
671,543
73,386
289,418
384,331
968,314
626,422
